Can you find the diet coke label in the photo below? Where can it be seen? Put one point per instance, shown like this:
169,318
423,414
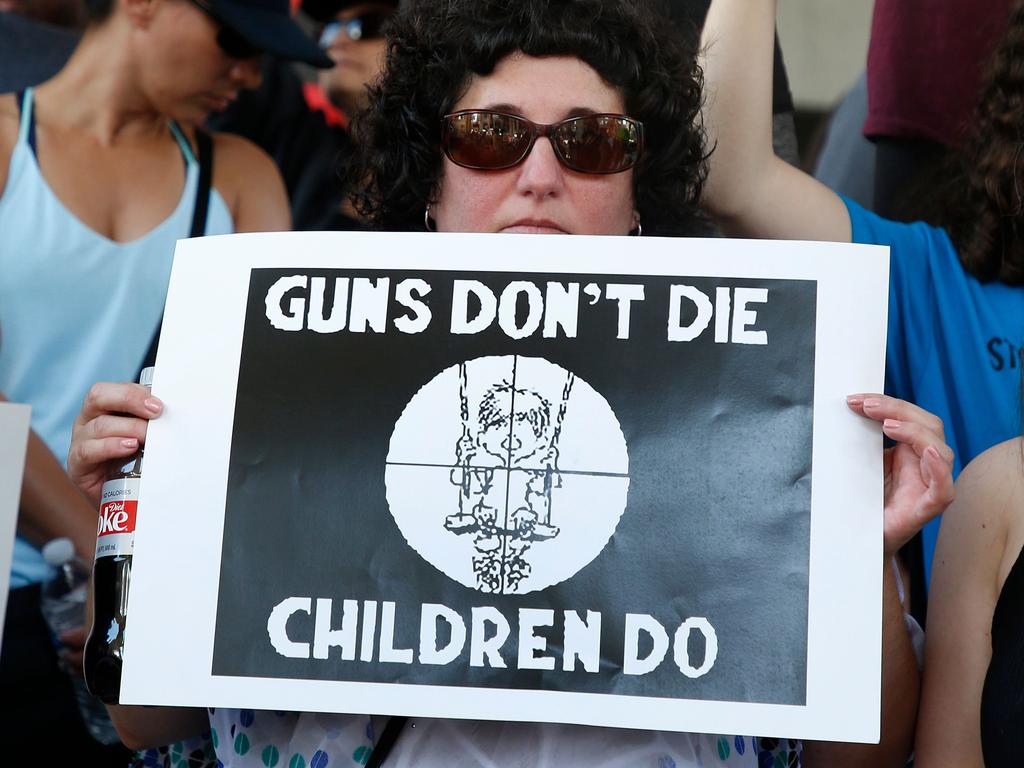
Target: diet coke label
115,531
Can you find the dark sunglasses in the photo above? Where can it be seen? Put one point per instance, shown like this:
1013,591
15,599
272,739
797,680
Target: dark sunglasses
490,141
229,41
366,26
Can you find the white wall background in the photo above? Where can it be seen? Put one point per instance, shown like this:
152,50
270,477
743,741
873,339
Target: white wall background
825,44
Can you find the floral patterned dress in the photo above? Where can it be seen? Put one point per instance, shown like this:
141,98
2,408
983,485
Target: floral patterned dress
263,739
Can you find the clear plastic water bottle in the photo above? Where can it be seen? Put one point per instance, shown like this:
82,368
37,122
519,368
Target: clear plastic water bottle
63,607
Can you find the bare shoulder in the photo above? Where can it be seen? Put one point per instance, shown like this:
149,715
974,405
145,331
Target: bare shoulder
990,500
996,476
10,117
250,184
239,157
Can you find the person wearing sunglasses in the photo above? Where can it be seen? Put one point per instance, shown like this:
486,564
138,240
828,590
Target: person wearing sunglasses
574,117
101,171
304,126
576,141
353,37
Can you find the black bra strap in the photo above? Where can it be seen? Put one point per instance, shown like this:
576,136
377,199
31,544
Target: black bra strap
22,99
204,145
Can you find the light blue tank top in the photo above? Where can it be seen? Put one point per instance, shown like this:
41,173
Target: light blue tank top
75,306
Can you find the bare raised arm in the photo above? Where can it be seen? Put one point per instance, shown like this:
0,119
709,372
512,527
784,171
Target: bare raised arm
750,192
979,541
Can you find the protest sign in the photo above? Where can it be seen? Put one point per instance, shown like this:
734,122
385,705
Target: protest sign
14,425
595,480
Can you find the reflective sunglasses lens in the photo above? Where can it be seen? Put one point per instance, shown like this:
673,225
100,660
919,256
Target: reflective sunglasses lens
486,140
369,26
330,33
354,29
599,143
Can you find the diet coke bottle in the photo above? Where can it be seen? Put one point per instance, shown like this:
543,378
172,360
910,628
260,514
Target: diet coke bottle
119,501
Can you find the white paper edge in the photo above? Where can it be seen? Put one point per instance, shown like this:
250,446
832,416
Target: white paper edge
14,427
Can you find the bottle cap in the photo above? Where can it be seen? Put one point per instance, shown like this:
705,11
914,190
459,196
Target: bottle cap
146,377
57,552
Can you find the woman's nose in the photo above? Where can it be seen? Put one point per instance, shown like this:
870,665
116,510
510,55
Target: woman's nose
541,174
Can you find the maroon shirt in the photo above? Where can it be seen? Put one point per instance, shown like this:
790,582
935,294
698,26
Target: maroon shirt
925,65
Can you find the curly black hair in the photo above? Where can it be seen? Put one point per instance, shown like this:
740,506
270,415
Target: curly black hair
976,193
436,46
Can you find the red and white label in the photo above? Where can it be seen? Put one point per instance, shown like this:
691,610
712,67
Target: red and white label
115,532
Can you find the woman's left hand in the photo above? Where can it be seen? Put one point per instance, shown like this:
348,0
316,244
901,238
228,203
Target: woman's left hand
918,469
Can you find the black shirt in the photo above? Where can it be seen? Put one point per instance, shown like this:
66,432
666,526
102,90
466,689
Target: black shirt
1002,698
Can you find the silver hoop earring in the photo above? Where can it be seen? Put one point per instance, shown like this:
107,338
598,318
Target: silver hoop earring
426,220
638,231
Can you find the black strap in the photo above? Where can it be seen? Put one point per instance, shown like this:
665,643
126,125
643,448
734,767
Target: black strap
387,740
204,145
22,98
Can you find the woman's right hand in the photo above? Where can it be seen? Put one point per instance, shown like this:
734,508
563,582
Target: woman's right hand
111,425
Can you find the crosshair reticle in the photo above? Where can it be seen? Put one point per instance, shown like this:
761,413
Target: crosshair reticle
507,473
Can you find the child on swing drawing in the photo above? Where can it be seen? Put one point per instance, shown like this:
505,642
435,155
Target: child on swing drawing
514,426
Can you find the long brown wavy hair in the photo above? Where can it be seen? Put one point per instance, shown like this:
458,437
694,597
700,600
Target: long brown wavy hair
978,193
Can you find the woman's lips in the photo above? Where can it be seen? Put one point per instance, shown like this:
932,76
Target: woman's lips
535,228
219,103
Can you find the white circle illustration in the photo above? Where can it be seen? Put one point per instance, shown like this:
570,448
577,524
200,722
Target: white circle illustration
507,473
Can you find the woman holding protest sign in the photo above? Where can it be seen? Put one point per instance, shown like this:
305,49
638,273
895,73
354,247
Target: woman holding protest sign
596,108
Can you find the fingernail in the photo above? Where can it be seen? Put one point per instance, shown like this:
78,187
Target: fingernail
153,405
130,442
892,424
854,400
872,402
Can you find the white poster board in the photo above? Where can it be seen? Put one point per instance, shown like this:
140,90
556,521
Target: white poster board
608,481
14,421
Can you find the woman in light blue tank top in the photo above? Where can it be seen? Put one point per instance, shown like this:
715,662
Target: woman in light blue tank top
109,296
99,177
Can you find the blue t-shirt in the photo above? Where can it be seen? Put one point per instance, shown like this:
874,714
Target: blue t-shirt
955,343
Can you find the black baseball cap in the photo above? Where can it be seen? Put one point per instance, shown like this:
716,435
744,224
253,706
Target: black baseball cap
268,25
